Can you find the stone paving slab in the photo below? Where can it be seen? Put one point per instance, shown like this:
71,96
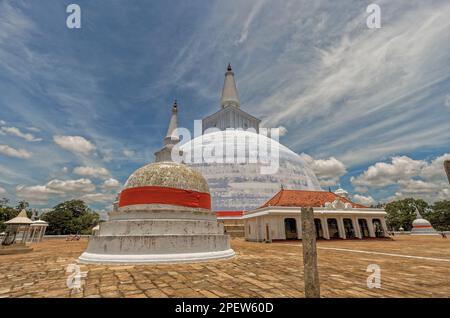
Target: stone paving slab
258,270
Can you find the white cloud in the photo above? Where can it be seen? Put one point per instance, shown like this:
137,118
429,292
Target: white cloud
411,178
423,190
75,144
382,174
447,100
248,21
40,194
328,171
283,131
361,189
129,153
71,186
111,184
12,152
14,131
97,197
364,200
435,170
95,172
34,129
2,190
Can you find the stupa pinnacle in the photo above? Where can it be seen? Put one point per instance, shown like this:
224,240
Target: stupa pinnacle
230,95
171,139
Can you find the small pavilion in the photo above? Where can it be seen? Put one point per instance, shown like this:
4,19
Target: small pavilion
37,231
16,234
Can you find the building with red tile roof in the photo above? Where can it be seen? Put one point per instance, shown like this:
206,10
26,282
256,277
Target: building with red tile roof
304,198
336,216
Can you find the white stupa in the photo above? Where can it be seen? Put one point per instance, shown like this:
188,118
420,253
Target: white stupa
420,226
241,186
163,216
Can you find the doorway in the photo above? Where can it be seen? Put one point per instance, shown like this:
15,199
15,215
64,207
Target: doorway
349,230
290,226
333,228
318,226
378,228
364,228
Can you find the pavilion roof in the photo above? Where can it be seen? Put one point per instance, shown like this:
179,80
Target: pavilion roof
22,218
304,198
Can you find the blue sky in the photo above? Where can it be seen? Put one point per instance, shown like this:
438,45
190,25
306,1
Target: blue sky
80,109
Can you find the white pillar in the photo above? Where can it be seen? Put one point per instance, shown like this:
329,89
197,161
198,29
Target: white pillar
41,233
298,223
33,233
257,228
324,223
341,228
26,231
384,226
357,228
371,228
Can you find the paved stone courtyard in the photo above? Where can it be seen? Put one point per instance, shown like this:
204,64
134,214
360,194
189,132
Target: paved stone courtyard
410,267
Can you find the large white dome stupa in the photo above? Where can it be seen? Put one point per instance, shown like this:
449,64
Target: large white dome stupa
241,185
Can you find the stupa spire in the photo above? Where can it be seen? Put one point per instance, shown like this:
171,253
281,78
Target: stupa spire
418,215
171,139
230,95
173,124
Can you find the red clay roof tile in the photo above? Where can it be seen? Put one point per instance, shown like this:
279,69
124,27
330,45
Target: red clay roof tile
303,198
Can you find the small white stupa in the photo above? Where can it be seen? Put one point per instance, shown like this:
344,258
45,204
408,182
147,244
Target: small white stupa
341,192
163,216
422,226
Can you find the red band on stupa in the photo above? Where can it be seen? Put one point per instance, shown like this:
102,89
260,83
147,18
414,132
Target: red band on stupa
422,226
164,195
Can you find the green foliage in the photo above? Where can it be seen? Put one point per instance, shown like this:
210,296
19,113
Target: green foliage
402,213
440,215
70,217
22,205
7,212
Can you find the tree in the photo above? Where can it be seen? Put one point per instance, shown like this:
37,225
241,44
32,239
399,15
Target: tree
6,213
22,205
439,216
402,213
4,202
70,217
